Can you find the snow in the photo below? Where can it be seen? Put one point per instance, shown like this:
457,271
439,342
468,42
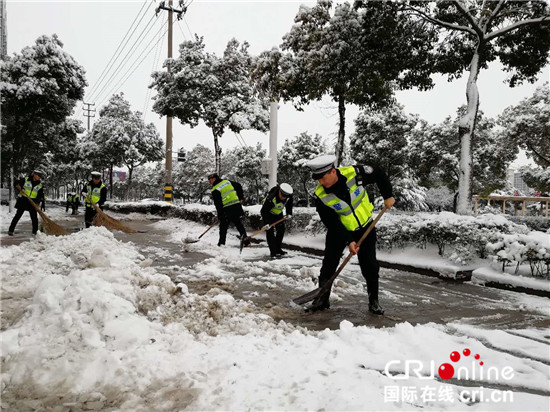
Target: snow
100,327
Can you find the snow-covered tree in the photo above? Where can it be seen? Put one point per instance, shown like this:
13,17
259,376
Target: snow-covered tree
123,138
218,91
190,177
381,138
435,155
247,170
537,178
475,33
527,125
353,54
292,159
40,88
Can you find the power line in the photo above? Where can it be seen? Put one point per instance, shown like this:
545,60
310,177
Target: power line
116,54
128,55
117,87
155,66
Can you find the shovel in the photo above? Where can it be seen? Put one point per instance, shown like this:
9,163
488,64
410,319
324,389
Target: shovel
320,291
188,240
263,229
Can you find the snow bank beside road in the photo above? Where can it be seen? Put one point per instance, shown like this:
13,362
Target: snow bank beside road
104,330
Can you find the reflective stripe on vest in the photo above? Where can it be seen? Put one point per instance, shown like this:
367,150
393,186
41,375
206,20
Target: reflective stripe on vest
359,213
93,195
30,191
69,198
278,207
228,192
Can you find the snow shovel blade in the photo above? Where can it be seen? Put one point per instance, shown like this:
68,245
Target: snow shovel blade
308,297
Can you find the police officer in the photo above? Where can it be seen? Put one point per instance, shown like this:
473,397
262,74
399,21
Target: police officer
75,204
32,187
278,198
69,203
345,209
228,196
95,192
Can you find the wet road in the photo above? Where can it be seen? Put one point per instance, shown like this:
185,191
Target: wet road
405,296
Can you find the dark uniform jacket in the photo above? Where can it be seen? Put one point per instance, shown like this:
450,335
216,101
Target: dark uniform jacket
268,204
22,202
365,174
217,196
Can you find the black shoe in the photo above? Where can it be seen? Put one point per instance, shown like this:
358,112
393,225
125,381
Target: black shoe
318,305
282,253
245,240
374,307
10,233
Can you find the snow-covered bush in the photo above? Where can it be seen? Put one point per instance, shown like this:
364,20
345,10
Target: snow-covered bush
520,248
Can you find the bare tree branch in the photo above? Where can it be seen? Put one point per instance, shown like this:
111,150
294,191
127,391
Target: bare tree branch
498,33
495,12
475,25
440,23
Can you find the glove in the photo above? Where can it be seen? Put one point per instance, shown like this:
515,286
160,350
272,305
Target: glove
265,227
288,217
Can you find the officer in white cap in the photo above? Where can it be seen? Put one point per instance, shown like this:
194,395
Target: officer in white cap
94,192
279,198
29,189
345,209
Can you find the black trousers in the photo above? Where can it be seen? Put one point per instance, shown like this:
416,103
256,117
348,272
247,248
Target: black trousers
370,268
89,216
231,214
274,235
19,213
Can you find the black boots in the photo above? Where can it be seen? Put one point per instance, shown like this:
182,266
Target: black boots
374,307
319,304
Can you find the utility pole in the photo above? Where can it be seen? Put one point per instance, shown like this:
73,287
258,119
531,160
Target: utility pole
273,108
168,169
87,112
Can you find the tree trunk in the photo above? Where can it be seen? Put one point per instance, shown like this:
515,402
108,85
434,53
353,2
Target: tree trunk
341,130
217,152
466,127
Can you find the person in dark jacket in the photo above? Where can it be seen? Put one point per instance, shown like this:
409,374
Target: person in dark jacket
32,187
278,198
75,204
43,203
345,209
94,192
228,197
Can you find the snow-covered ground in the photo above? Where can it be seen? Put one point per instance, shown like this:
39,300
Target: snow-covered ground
88,323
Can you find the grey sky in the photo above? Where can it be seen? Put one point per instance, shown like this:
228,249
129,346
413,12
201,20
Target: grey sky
92,31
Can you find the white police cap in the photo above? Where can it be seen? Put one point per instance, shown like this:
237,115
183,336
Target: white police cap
320,165
94,174
286,189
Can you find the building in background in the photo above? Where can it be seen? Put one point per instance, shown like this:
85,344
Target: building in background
514,177
3,30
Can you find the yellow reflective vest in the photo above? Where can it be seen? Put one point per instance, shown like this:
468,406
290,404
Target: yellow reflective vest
356,215
228,192
30,191
93,195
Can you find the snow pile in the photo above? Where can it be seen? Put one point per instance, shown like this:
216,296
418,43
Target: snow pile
100,329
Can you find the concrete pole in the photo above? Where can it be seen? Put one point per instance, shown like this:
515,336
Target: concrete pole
273,108
168,171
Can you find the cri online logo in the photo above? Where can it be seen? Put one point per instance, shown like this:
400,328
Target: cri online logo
446,371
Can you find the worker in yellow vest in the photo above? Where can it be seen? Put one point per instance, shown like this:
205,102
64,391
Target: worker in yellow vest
345,209
94,192
32,187
228,197
279,198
